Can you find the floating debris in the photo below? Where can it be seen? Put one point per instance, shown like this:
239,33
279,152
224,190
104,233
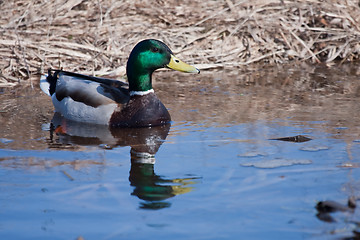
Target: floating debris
252,154
349,165
314,148
275,163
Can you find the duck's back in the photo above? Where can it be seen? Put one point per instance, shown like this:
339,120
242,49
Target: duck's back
83,100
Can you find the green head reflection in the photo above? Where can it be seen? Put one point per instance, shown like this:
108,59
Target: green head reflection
154,189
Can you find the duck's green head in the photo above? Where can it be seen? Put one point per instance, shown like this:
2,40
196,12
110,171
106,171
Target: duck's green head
147,56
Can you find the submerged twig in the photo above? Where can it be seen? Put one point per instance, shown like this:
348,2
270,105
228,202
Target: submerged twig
68,175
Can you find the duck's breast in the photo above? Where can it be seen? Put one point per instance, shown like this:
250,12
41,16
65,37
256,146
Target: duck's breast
141,111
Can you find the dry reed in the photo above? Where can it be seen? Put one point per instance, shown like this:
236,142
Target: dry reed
96,37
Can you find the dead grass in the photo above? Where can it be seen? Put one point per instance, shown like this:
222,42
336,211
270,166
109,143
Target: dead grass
96,37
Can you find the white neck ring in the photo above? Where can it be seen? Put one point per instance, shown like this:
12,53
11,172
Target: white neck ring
141,93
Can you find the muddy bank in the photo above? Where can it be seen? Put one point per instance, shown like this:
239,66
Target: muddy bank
97,37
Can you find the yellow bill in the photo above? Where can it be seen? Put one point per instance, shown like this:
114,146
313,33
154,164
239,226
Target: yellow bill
179,65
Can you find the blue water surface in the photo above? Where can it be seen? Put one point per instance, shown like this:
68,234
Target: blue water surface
215,173
61,194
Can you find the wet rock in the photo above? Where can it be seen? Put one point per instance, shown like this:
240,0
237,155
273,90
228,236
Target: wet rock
331,206
298,138
324,209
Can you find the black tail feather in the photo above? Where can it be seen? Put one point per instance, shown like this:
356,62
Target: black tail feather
52,79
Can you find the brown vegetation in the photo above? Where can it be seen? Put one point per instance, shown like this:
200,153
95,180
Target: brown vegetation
96,37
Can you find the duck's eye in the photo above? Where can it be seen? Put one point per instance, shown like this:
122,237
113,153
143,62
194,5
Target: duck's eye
155,49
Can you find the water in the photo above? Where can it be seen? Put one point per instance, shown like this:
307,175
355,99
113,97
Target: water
213,174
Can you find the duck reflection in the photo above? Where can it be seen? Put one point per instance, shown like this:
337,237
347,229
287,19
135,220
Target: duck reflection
153,189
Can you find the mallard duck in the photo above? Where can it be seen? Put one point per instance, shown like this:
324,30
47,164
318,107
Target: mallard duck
110,102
